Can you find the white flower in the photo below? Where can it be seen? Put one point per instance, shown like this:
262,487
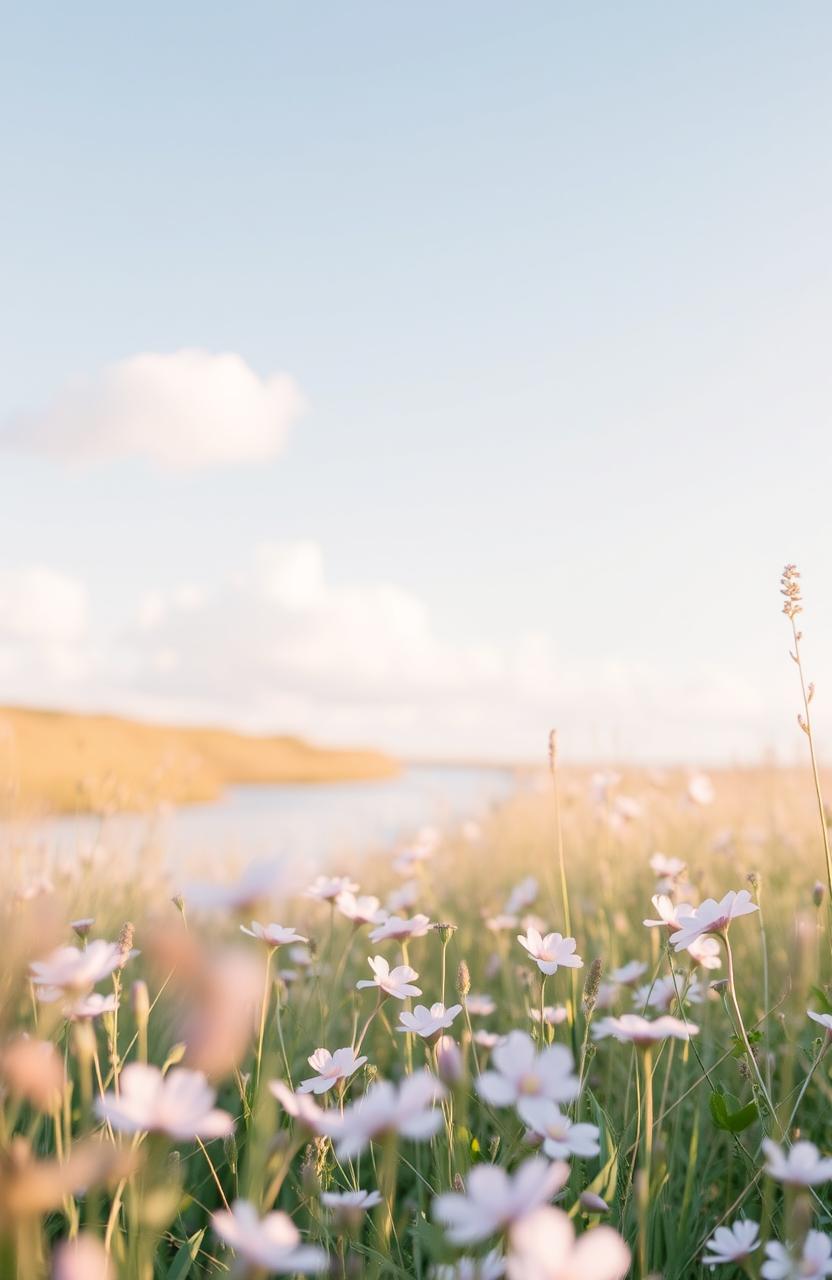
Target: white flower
712,917
561,1138
491,1267
667,868
814,1262
83,1258
801,1166
479,1006
823,1019
662,994
71,969
364,910
329,888
428,1022
641,1031
384,1109
92,1006
404,897
398,927
255,884
494,1199
553,1014
350,1206
180,1104
488,1039
303,1110
550,951
732,1244
498,923
331,1068
543,1247
276,935
272,1243
705,953
396,982
628,973
521,1072
521,896
701,789
668,912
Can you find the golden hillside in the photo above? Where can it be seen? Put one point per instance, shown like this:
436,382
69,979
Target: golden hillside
60,762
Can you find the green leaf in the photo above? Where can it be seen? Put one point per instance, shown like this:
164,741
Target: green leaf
182,1263
822,999
731,1121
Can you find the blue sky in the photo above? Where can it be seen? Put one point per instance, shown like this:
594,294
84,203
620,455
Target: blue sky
554,282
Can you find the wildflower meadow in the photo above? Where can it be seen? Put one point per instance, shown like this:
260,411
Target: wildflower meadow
582,1038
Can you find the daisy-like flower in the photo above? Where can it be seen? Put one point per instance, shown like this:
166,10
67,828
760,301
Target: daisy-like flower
491,1267
543,1247
272,1243
641,1031
488,1039
304,1111
521,896
180,1104
349,1207
274,935
407,1110
661,994
331,1068
428,1023
396,982
712,917
256,884
822,1019
801,1166
561,1138
329,888
519,1071
701,789
553,1014
550,952
363,910
495,1200
499,923
406,896
74,970
628,973
479,1006
91,1006
705,953
732,1244
83,1258
814,1262
399,928
669,913
667,868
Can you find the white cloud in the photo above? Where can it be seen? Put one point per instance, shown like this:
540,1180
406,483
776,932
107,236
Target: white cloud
43,632
190,408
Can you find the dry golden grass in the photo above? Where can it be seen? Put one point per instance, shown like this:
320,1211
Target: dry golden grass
61,762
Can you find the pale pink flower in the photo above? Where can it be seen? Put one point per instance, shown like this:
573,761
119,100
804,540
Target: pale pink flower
93,1005
641,1031
591,1203
399,928
254,886
349,1207
800,1166
521,896
408,1110
479,1006
74,969
543,1247
83,1258
428,1022
494,1200
706,953
363,910
553,1014
488,1039
628,973
519,1071
667,868
450,1064
396,982
700,789
561,1137
272,1243
813,1263
328,888
822,1019
662,994
274,935
499,923
490,1267
180,1104
732,1244
405,897
300,1106
551,951
712,917
669,913
331,1068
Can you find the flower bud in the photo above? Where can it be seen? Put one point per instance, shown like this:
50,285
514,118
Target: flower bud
818,892
82,927
463,979
33,1070
591,1203
450,1064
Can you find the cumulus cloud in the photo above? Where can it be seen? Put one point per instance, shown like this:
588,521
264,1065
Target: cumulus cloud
189,408
44,638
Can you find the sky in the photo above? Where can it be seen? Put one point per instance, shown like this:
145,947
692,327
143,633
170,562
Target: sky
422,376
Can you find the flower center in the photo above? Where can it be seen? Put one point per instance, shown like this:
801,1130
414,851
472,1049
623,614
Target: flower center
530,1084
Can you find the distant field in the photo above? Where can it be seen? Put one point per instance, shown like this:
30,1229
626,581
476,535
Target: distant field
58,762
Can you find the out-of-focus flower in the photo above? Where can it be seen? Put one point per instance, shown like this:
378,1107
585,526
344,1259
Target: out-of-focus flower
667,868
385,1109
732,1244
591,1203
83,1258
92,1006
641,1031
543,1247
363,910
522,896
272,1243
488,1039
701,789
83,926
428,1023
349,1207
406,896
256,884
396,982
399,928
553,1014
495,1200
519,1071
628,973
300,1106
33,1070
479,1006
561,1138
331,1068
275,935
180,1104
450,1064
712,917
29,1187
74,969
550,952
491,1267
219,994
329,888
813,1262
501,922
705,953
801,1166
662,994
669,913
